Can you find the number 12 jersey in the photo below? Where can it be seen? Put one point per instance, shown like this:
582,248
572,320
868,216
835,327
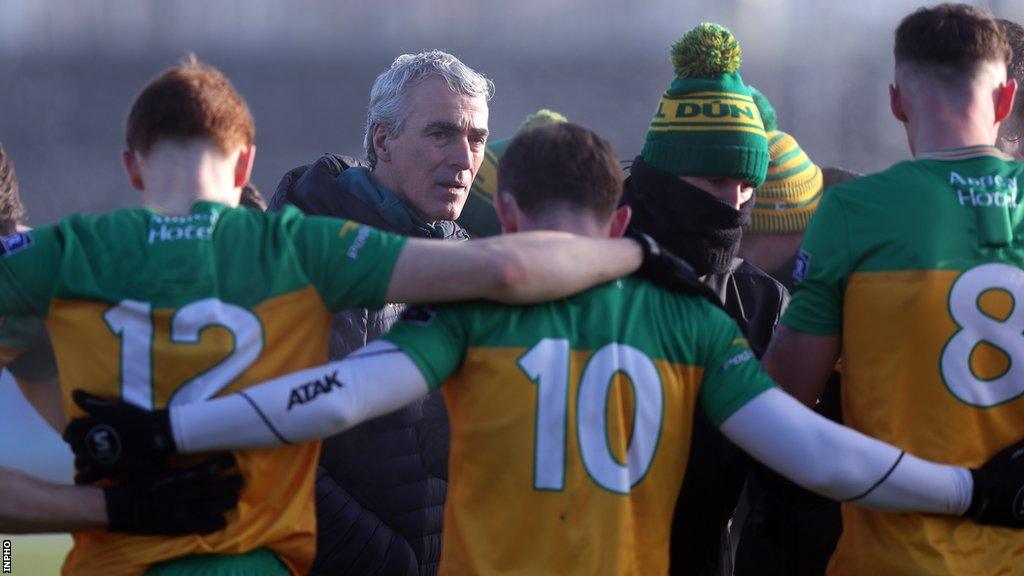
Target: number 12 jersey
164,310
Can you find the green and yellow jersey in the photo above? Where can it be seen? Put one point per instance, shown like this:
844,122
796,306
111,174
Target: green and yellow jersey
162,310
571,421
919,269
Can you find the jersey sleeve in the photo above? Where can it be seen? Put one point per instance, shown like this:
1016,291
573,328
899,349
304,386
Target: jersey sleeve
29,263
350,264
732,374
435,337
33,358
823,265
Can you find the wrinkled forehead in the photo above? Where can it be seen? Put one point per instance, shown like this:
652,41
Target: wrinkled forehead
433,101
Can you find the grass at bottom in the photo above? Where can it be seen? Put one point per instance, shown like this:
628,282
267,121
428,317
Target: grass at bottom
37,554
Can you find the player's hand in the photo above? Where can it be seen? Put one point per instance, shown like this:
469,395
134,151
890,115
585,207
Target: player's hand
666,269
998,497
115,437
174,502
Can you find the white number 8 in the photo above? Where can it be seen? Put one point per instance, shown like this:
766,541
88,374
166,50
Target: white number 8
977,327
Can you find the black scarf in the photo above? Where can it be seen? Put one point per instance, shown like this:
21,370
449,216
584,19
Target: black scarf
688,221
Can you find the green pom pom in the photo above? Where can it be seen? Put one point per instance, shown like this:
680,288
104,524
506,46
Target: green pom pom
768,116
706,51
541,116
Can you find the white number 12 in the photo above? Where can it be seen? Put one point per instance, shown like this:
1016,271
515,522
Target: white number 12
132,321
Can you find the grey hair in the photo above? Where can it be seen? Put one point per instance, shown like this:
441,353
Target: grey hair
388,107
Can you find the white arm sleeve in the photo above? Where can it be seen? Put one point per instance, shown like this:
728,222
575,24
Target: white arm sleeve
302,406
842,463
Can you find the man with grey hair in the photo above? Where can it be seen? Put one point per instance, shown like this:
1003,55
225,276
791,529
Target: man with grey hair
381,487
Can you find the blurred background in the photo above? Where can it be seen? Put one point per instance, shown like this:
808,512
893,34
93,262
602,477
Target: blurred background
70,68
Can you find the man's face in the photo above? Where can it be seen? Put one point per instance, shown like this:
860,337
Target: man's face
432,162
734,193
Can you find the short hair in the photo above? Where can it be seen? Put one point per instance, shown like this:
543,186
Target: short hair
388,107
1014,130
950,40
189,101
561,165
11,209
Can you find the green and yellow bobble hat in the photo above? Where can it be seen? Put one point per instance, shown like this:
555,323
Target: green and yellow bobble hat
478,215
793,188
707,124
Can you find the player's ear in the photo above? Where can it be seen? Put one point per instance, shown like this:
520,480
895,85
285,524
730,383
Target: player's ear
1005,95
131,169
620,221
243,166
508,212
896,103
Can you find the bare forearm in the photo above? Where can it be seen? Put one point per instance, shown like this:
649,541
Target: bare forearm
519,268
29,504
44,396
800,362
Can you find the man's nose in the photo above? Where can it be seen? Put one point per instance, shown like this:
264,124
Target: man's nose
732,194
461,154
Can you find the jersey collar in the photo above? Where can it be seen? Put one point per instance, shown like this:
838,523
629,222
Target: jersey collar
964,153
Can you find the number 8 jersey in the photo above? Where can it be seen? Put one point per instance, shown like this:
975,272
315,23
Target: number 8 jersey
571,420
919,269
163,310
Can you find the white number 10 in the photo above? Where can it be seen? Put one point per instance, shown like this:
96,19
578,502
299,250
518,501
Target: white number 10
132,321
547,364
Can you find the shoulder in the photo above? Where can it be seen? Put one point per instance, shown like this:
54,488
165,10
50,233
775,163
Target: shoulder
314,188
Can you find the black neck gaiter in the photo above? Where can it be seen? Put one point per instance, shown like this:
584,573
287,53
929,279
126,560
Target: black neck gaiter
688,221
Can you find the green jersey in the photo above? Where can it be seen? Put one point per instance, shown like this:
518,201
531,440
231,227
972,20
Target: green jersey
164,310
919,269
576,414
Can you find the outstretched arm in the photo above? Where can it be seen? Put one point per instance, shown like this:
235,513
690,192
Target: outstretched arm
302,406
842,463
29,504
291,409
517,268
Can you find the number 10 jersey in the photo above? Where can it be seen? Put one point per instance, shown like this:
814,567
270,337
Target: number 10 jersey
164,310
919,268
571,420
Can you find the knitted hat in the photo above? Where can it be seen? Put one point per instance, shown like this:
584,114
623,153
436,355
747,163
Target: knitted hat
707,124
792,190
478,214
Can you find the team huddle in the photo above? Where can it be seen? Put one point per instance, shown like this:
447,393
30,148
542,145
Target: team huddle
586,393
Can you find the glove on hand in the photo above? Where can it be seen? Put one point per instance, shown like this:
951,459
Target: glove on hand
116,437
174,502
668,270
998,497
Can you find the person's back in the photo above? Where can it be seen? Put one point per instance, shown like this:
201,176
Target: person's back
156,309
912,274
579,412
930,347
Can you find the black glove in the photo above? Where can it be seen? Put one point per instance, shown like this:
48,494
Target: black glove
174,502
998,497
668,270
116,437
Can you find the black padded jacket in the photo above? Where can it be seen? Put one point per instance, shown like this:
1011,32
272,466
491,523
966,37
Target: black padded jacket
380,486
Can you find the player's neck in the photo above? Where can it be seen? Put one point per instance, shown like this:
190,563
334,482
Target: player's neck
946,127
581,224
178,178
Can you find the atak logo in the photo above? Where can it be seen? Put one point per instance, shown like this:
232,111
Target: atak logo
103,444
310,390
15,243
421,315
